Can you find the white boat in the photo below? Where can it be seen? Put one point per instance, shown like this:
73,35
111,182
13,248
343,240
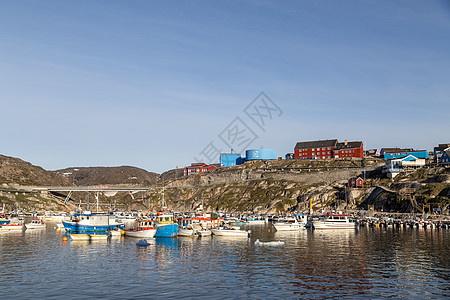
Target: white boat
186,231
204,232
35,224
333,222
144,228
256,221
288,223
225,231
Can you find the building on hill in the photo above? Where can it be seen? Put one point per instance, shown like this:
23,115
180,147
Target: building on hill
197,168
230,159
355,182
321,149
348,150
440,150
394,153
395,166
372,153
260,154
445,158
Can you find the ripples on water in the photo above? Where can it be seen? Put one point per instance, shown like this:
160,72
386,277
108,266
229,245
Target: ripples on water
366,263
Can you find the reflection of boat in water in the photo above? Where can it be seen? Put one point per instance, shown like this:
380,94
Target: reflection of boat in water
333,222
91,222
225,231
143,228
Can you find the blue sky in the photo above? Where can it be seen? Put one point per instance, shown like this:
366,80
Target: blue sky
152,83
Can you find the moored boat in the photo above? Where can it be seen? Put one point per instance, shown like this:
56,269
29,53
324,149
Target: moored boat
186,231
288,223
35,224
226,231
143,228
331,221
91,222
165,225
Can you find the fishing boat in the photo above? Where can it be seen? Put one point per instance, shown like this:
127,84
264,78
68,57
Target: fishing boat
14,224
288,223
91,222
35,224
226,231
332,221
143,228
165,224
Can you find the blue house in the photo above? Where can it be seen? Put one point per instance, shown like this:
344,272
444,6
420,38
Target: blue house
230,159
445,158
394,153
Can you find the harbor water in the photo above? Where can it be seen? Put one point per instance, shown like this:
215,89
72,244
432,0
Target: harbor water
367,263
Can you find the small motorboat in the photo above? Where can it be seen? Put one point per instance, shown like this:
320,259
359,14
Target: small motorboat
35,224
204,232
226,231
269,244
186,231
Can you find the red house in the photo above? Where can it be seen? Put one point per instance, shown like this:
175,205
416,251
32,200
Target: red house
355,182
315,149
197,168
349,150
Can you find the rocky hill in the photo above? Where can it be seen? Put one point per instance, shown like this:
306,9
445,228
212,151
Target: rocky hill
14,171
84,176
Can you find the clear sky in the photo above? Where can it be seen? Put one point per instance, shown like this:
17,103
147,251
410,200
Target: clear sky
154,84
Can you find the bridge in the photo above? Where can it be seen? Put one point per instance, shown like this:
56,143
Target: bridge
105,189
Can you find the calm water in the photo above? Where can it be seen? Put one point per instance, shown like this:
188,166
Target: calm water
368,263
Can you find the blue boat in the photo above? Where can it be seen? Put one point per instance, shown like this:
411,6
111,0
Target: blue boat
165,225
91,222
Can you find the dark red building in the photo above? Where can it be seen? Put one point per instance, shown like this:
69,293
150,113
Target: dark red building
315,149
349,150
197,168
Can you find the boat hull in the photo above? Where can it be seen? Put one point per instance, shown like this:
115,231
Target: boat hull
12,227
288,227
230,232
330,225
76,227
204,232
88,237
186,232
146,233
166,230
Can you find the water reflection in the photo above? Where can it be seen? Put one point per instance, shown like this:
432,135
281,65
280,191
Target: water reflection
372,263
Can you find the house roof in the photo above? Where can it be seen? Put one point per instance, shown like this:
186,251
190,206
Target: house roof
441,147
316,144
350,145
394,150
